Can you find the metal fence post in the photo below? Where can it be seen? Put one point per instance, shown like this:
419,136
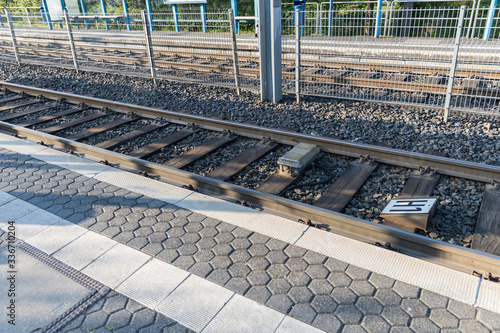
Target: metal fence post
235,52
149,43
27,16
449,90
297,54
70,37
13,36
1,20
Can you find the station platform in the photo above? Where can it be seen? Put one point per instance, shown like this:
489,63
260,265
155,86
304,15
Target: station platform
100,249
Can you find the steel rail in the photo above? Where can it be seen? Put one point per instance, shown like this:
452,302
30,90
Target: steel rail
449,255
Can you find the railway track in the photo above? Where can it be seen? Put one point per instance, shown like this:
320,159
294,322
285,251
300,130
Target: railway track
239,162
380,75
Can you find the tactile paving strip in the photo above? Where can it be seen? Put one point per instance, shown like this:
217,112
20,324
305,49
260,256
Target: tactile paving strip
97,290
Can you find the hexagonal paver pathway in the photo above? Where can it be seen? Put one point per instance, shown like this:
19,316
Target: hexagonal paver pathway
321,291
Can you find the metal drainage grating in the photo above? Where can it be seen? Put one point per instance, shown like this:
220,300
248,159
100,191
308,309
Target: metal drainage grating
97,289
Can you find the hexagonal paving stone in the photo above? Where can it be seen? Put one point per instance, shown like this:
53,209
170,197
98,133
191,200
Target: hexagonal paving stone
369,305
157,237
433,300
489,319
204,256
468,325
293,251
277,257
357,273
327,322
142,319
241,243
415,308
242,233
258,278
118,320
202,269
349,314
240,256
168,255
259,250
239,285
317,271
221,262
396,316
424,325
406,290
276,245
339,279
171,243
219,276
208,232
190,238
344,295
461,310
362,288
443,318
296,264
138,242
258,263
258,293
210,222
114,303
324,304
314,258
388,297
148,221
152,249
206,243
95,320
193,227
279,286
381,281
375,324
281,303
222,249
224,227
278,271
239,270
304,312
298,279
187,249
143,232
320,287
184,262
300,295
176,232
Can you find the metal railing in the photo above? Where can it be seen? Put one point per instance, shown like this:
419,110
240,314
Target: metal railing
424,59
180,47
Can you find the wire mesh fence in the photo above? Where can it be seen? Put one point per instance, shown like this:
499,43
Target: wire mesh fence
417,60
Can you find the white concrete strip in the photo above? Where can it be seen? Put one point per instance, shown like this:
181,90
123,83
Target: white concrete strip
489,296
291,325
34,222
6,197
269,225
444,281
77,164
153,282
195,302
19,145
14,210
116,265
84,250
145,186
56,236
243,315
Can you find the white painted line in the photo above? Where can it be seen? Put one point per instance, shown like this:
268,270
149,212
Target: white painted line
269,225
195,302
153,282
34,222
444,281
145,186
291,325
243,315
14,210
77,164
56,236
19,145
116,265
489,296
84,250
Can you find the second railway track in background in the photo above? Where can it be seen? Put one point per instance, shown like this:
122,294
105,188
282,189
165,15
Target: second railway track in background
238,161
345,71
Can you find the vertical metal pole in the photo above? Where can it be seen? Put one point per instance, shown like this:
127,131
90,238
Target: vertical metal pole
471,18
318,21
84,12
489,22
235,53
451,77
1,20
149,44
379,18
125,11
103,6
150,11
71,41
386,17
475,20
330,19
176,17
276,51
234,7
13,36
203,11
47,14
27,16
297,54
